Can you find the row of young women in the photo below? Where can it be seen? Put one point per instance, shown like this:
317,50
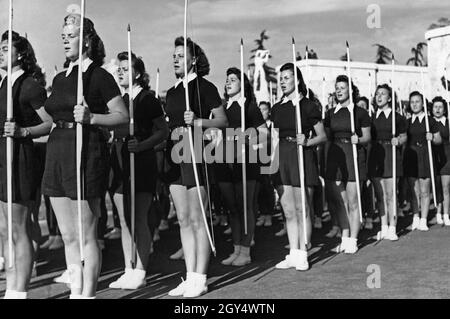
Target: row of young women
105,107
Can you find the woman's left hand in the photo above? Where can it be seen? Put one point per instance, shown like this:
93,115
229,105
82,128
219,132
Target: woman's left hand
82,114
11,129
134,146
301,139
429,136
355,139
189,118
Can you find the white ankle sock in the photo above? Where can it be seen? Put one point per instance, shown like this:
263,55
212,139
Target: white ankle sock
384,228
200,278
139,274
190,276
10,294
293,252
237,249
245,251
21,294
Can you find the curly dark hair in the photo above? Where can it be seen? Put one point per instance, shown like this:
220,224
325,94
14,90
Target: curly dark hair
301,82
355,90
389,89
248,89
201,66
26,56
139,67
95,48
440,99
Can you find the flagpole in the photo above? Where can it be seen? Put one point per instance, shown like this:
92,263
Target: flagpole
430,150
132,162
157,84
394,147
9,140
352,127
79,135
244,168
191,140
301,167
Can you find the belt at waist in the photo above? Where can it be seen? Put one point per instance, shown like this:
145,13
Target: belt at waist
65,124
385,142
418,144
345,140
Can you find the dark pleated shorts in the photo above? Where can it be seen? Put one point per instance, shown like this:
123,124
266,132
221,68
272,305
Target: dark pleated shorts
416,162
379,161
339,163
289,173
60,175
25,175
145,170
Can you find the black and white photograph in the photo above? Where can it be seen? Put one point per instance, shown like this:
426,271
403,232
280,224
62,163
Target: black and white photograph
219,157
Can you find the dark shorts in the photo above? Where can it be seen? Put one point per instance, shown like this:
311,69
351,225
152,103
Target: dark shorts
339,163
145,170
60,175
289,173
25,175
232,172
380,160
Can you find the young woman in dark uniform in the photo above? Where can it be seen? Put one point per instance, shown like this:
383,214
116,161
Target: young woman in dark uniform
416,163
206,111
229,175
103,107
340,172
284,119
380,168
30,121
150,130
442,160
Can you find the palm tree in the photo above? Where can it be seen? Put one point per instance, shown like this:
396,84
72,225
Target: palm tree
418,57
271,74
344,57
312,55
442,22
384,55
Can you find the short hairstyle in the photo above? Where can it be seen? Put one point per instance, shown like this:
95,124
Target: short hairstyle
355,90
248,89
201,66
138,66
301,82
95,48
27,61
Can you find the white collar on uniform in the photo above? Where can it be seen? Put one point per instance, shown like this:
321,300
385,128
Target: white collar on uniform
421,116
14,76
191,76
339,106
233,99
386,112
86,63
442,119
136,91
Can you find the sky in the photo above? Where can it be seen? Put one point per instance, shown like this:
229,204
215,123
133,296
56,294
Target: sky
218,25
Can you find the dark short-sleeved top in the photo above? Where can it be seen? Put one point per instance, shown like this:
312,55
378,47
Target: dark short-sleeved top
339,123
382,126
284,118
146,109
31,97
444,131
416,131
203,97
99,88
253,116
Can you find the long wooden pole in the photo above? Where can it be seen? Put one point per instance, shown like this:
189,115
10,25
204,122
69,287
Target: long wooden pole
79,135
427,127
132,162
306,71
447,97
9,140
244,167
191,139
394,148
352,127
157,84
301,167
324,99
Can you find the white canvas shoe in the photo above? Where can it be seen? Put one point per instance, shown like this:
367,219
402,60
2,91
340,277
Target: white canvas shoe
392,233
118,284
423,225
302,261
352,246
446,220
415,223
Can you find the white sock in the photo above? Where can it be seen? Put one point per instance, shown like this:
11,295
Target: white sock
21,294
190,276
10,294
139,274
200,279
245,251
384,228
237,249
293,252
344,240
